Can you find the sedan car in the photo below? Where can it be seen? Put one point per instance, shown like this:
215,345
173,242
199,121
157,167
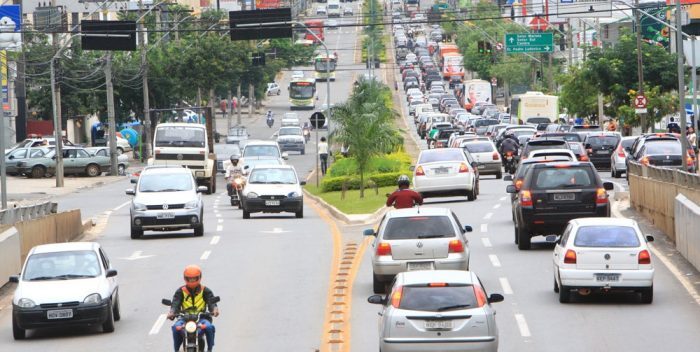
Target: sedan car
291,138
603,255
485,154
442,310
332,24
618,164
417,239
77,161
347,11
15,156
446,172
65,284
321,10
224,152
166,198
237,135
122,159
273,189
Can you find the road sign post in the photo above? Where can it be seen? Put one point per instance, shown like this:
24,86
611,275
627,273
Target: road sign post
529,43
640,104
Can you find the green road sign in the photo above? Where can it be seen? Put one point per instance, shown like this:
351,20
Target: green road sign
529,43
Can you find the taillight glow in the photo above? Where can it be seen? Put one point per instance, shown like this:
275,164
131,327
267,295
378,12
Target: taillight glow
456,246
583,158
396,297
463,168
495,156
481,299
601,196
570,257
620,151
437,284
690,161
419,171
644,257
383,248
525,198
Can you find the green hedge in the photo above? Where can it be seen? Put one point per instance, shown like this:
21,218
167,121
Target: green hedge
330,184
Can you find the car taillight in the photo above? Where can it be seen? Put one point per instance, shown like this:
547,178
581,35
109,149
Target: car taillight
439,144
463,168
456,246
383,248
601,196
525,198
481,299
495,156
419,171
583,157
690,161
518,183
396,296
644,257
644,161
570,257
620,151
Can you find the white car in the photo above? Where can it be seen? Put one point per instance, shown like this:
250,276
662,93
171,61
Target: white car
602,255
64,284
321,10
332,24
297,75
484,152
291,138
618,164
273,189
446,172
553,152
441,310
347,11
273,89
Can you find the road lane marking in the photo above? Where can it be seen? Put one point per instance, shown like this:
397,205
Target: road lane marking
137,255
507,290
486,242
488,216
276,230
484,227
497,206
494,260
215,207
219,228
122,205
220,221
503,198
218,215
215,240
522,325
158,324
205,255
216,211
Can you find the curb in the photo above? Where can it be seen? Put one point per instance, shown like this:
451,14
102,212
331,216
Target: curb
340,216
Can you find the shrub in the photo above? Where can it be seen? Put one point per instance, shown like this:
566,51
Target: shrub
394,162
330,184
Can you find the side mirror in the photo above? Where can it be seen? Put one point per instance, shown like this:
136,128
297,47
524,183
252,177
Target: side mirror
468,228
285,156
508,178
11,157
130,192
111,273
511,189
201,189
495,298
134,180
650,238
302,183
376,299
368,232
53,157
412,168
609,186
216,299
14,278
628,149
166,302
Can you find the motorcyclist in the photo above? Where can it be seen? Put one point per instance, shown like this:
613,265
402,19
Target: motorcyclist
232,170
510,144
270,119
404,197
193,298
306,130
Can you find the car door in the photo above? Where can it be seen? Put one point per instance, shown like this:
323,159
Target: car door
106,265
82,159
13,158
69,161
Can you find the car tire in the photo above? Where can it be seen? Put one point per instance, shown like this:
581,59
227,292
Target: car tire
246,214
17,332
471,195
199,230
647,295
136,233
499,175
515,231
120,150
37,172
564,294
116,309
108,324
377,284
92,170
299,214
523,238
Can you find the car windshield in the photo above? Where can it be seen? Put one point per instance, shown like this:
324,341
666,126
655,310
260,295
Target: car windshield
606,236
290,131
416,227
485,122
521,132
261,150
563,177
64,265
438,298
254,162
160,182
576,148
603,140
272,176
177,136
663,147
539,146
441,155
479,147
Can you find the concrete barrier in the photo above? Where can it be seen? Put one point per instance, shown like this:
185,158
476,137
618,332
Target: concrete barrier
24,213
10,262
687,216
55,228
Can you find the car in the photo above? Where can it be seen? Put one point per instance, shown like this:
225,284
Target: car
321,10
297,74
522,169
224,152
583,130
76,161
273,89
485,154
618,164
332,24
442,138
273,189
19,154
417,239
482,125
252,161
122,159
603,255
291,138
263,148
601,146
65,284
567,136
634,150
290,122
541,143
347,11
665,154
579,150
565,152
441,310
562,191
446,172
237,135
166,198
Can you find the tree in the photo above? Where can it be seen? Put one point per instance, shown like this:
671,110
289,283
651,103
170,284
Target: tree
579,95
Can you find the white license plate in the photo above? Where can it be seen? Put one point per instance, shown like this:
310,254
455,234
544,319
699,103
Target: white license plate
420,266
438,324
166,216
607,277
441,171
272,202
602,152
482,166
59,314
564,196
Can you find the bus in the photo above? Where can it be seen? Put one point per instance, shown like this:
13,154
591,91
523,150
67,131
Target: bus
315,26
535,108
302,92
324,67
475,91
411,6
452,65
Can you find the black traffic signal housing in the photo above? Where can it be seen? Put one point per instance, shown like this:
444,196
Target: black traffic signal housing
259,58
489,49
481,46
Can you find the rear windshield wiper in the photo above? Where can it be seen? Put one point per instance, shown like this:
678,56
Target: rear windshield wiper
430,236
456,306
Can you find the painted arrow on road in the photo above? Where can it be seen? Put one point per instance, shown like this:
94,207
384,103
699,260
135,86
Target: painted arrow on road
275,230
137,255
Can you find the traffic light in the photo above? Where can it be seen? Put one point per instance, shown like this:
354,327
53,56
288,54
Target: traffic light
482,47
488,47
562,39
259,58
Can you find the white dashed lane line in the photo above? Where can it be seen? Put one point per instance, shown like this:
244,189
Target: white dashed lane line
205,255
158,324
122,205
498,205
486,242
507,290
503,198
488,216
220,221
494,260
522,325
219,228
215,240
218,215
484,227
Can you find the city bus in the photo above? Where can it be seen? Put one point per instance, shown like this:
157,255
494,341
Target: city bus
302,92
324,67
535,108
452,65
411,6
315,26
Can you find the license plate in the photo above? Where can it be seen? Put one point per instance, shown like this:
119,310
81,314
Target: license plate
420,266
59,314
166,216
602,152
272,202
438,324
482,166
564,196
607,277
441,171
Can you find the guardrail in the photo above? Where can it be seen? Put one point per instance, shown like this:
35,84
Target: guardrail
24,213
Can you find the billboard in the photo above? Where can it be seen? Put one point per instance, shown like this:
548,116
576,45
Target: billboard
10,27
653,32
584,8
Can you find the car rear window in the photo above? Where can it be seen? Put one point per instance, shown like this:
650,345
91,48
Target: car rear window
576,148
603,140
437,299
663,147
416,227
441,155
606,236
627,143
555,144
522,132
485,122
587,128
479,147
563,177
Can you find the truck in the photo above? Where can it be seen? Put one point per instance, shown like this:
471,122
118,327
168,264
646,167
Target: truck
475,91
535,108
444,49
186,145
411,7
334,8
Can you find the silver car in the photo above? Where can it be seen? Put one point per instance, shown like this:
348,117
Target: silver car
618,164
442,310
485,154
417,239
166,198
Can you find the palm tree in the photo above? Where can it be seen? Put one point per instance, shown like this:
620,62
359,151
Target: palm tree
364,124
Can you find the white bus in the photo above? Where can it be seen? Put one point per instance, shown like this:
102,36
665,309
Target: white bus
535,108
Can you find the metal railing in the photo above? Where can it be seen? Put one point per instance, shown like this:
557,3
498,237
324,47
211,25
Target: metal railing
29,212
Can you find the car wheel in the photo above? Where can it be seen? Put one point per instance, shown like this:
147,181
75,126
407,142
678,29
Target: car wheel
115,310
37,172
471,195
499,175
647,295
233,202
136,233
17,332
564,294
108,324
211,185
523,238
515,231
92,170
120,151
377,284
246,215
612,172
300,214
199,230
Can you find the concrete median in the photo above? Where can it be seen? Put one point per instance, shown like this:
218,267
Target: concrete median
687,222
10,262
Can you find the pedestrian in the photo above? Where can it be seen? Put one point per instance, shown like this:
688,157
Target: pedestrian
345,150
612,125
692,138
323,155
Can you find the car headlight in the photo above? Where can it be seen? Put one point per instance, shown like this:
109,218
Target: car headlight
191,205
191,327
252,195
94,298
139,207
293,194
26,303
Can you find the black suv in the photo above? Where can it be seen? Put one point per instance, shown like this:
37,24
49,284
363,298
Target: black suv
600,147
554,193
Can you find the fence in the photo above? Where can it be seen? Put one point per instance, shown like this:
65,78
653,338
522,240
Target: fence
25,213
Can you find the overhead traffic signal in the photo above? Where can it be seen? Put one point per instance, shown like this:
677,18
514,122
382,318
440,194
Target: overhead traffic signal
259,58
488,47
482,47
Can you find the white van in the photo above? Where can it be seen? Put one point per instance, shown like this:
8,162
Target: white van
334,8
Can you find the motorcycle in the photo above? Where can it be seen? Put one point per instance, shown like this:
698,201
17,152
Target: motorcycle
509,163
192,330
237,184
270,121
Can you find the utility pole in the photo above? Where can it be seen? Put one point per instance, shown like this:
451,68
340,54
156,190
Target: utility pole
3,169
238,104
640,62
570,42
146,141
111,120
681,84
57,121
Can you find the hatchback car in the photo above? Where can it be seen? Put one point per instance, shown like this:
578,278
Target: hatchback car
485,154
666,154
446,172
554,193
65,284
542,143
273,189
291,138
442,310
602,255
237,135
15,156
321,10
618,164
417,239
166,198
601,146
347,11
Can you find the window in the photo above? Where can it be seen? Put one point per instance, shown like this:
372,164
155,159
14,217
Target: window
606,236
441,155
437,299
62,265
479,147
105,260
272,176
417,227
565,235
603,140
19,154
82,154
261,150
191,137
161,182
101,152
663,148
557,178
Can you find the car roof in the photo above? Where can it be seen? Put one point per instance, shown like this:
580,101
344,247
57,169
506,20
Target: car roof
64,247
605,222
165,169
562,164
275,166
545,159
418,211
428,276
180,124
552,150
261,142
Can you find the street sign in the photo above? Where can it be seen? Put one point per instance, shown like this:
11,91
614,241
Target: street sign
640,110
499,46
108,35
529,43
318,120
640,102
260,24
494,81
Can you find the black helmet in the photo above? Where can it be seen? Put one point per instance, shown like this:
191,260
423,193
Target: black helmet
404,181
